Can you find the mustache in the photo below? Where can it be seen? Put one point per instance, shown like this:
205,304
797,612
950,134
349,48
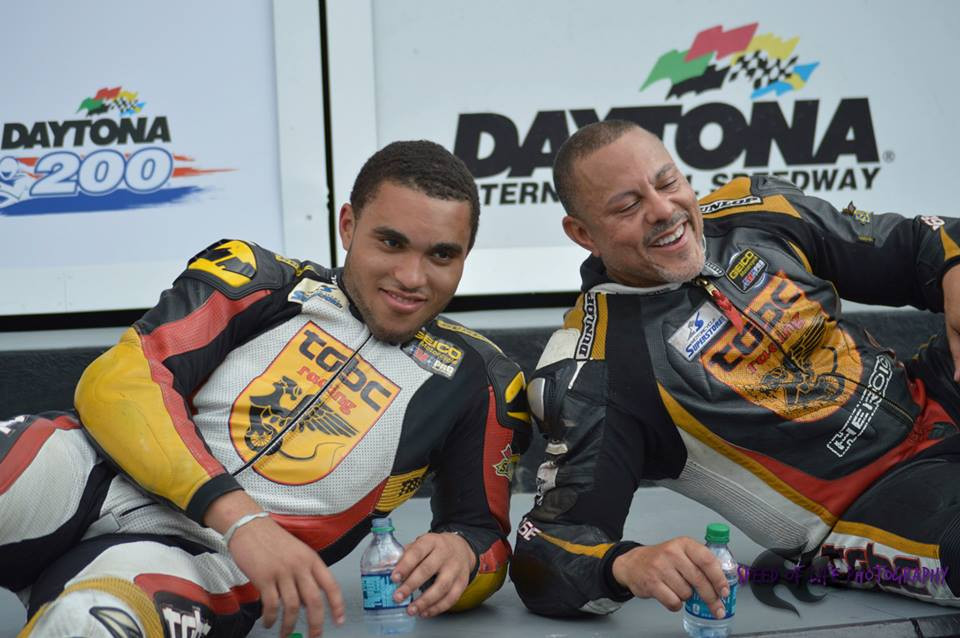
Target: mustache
664,226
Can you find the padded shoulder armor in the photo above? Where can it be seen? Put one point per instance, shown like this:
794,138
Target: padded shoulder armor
771,184
757,194
236,268
505,377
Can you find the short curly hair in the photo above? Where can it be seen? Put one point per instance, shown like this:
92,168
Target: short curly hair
424,166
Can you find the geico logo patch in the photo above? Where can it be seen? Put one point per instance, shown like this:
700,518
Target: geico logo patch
433,354
323,436
790,358
746,270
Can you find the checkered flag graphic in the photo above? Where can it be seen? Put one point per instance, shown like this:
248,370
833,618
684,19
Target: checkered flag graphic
125,106
760,70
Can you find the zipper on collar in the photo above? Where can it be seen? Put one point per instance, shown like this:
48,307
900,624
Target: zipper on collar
724,303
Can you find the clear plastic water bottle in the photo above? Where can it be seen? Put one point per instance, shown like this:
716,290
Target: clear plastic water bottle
381,614
698,620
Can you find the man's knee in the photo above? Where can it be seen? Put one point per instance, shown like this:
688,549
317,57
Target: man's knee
44,460
95,608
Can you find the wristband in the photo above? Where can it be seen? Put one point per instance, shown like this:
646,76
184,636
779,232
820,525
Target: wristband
240,522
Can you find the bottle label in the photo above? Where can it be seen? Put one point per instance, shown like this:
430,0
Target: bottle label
696,607
378,592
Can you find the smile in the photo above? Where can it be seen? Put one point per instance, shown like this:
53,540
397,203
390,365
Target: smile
672,238
401,302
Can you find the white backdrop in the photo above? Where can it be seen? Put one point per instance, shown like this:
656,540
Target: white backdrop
200,79
522,73
238,87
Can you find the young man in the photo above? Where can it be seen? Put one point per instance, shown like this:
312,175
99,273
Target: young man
260,416
707,352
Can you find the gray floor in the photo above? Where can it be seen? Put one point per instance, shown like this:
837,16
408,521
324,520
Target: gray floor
656,515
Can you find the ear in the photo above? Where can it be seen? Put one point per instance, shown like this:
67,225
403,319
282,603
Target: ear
347,225
579,233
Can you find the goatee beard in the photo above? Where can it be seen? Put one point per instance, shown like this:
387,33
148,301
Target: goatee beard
378,331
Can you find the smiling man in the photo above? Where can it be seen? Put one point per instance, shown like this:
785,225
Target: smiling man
261,415
707,352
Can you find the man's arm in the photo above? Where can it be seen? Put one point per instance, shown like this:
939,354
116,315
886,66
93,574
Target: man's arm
885,258
871,258
570,558
134,403
134,400
467,549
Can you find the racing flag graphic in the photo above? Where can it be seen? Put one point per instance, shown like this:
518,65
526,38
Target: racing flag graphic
765,61
49,167
109,99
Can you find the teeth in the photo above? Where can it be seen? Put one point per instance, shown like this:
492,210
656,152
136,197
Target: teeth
672,237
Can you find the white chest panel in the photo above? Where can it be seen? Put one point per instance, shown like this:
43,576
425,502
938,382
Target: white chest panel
345,447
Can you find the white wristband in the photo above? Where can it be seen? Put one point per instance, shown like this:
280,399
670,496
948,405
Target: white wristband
240,522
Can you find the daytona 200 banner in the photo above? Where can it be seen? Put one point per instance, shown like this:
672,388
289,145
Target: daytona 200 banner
125,152
847,106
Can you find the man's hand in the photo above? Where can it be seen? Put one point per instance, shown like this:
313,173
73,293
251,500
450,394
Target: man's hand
951,312
447,556
671,571
283,569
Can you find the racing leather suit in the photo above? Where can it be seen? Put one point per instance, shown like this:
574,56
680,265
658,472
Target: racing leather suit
746,390
209,392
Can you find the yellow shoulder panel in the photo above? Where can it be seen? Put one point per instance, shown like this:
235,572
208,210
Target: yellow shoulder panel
735,197
231,261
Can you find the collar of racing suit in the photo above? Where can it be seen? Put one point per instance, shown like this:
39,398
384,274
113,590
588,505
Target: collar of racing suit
594,277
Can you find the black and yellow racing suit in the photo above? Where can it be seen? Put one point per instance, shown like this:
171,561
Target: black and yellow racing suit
746,390
210,392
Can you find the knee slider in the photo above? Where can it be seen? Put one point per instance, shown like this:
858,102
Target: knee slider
95,608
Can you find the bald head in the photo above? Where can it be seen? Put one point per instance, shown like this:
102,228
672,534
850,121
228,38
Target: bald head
584,142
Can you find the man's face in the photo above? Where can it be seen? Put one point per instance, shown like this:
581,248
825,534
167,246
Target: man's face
637,212
405,254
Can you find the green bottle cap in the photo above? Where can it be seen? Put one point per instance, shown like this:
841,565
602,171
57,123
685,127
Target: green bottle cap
295,634
382,525
718,533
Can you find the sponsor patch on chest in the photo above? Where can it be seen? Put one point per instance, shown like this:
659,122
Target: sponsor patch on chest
747,269
320,438
698,331
309,289
433,354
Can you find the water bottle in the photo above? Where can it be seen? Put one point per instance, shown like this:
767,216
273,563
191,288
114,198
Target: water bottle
381,614
698,620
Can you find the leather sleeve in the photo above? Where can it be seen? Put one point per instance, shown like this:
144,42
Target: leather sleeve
566,544
478,458
870,258
134,400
